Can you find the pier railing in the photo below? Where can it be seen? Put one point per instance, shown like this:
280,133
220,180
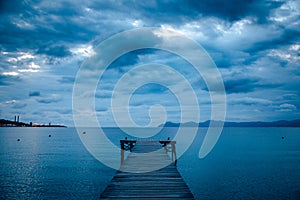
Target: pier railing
169,146
126,145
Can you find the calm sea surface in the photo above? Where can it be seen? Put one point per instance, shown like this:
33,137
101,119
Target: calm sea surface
246,163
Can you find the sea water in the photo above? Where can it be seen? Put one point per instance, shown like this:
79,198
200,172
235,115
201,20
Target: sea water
246,163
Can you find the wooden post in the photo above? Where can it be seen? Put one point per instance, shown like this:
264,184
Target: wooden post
173,149
125,146
174,156
122,151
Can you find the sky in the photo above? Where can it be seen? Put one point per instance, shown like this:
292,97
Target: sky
254,44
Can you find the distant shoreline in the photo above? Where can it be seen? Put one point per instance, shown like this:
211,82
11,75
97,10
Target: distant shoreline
9,123
280,123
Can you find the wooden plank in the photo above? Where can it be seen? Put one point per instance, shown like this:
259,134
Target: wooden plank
145,183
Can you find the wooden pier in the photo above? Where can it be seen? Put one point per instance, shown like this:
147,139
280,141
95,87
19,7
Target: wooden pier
147,173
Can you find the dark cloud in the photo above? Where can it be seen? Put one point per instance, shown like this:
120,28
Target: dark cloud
8,80
19,105
49,99
39,113
237,83
221,59
12,6
130,58
103,94
46,27
67,79
181,11
64,111
287,37
55,51
240,85
235,9
34,94
151,88
124,60
246,85
62,8
42,28
290,96
102,109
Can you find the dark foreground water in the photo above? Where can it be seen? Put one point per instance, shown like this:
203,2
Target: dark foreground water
246,163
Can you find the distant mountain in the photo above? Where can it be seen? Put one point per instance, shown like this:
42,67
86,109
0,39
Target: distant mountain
281,123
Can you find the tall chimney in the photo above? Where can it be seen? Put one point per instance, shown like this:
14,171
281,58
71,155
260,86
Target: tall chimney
15,118
18,118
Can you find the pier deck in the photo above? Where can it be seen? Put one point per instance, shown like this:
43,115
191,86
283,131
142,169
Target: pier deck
145,183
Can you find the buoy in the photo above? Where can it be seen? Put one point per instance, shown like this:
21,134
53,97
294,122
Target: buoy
83,132
282,137
18,140
49,135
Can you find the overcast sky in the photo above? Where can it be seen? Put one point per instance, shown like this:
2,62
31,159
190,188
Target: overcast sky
255,45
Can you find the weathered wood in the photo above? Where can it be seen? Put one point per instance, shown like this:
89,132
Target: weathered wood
137,180
126,145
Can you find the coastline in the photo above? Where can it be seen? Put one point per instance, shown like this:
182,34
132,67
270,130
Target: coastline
9,123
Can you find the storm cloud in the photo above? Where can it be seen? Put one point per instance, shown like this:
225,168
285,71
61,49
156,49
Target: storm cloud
255,44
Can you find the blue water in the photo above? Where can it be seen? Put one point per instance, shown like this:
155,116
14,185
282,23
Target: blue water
246,163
